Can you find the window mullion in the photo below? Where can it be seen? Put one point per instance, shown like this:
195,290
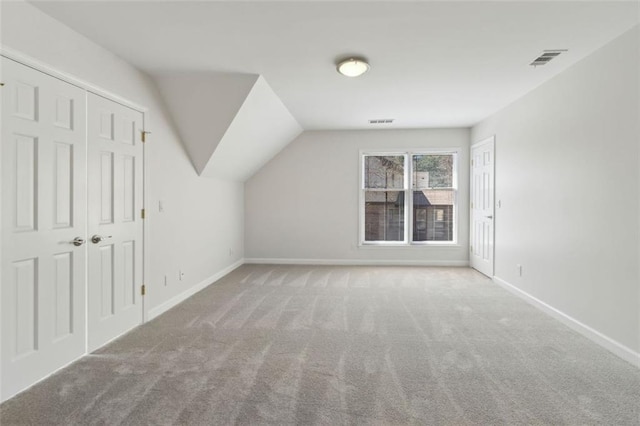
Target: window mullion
408,199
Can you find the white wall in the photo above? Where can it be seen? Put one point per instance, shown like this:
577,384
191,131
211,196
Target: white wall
567,176
303,205
203,218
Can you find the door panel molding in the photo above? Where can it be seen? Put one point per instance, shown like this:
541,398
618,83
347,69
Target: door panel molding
482,206
115,200
44,200
54,202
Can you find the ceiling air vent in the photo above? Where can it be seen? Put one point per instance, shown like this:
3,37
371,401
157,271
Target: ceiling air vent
546,56
381,121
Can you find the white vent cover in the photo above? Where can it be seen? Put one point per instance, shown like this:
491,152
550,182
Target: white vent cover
546,56
381,121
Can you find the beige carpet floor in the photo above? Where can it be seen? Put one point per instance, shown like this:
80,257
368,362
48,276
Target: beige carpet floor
342,345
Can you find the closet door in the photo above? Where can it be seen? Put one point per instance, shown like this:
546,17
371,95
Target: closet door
115,199
43,225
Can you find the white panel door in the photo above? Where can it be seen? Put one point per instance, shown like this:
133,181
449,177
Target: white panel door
43,211
115,200
482,206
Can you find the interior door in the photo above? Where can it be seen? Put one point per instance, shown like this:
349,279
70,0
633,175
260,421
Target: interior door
115,201
43,225
482,206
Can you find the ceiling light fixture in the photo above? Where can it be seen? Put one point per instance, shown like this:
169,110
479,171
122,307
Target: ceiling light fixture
353,67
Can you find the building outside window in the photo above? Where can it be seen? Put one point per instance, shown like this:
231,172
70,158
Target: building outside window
408,198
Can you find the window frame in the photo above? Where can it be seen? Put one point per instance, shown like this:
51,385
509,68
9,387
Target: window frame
408,196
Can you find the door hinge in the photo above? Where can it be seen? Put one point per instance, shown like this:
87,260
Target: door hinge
471,249
143,290
142,214
471,163
144,136
472,204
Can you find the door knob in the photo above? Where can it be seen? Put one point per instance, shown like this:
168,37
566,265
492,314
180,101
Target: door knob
77,241
99,238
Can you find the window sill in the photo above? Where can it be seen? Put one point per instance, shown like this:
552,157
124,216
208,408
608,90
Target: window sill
409,246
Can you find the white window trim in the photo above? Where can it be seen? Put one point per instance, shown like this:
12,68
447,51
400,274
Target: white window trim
408,200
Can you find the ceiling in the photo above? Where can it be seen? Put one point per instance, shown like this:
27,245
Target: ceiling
433,64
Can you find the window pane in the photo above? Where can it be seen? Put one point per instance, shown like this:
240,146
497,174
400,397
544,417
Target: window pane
384,171
384,216
432,171
433,215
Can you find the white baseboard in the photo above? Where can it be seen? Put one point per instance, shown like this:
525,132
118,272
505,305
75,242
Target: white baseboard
152,314
165,306
12,394
356,262
606,342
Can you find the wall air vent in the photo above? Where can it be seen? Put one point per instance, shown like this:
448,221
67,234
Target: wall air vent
381,121
546,56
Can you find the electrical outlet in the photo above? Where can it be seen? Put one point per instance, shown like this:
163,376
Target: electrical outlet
519,269
165,280
180,274
231,252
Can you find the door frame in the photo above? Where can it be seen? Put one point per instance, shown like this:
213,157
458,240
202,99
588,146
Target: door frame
485,141
45,68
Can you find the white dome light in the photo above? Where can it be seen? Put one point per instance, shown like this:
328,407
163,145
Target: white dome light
353,67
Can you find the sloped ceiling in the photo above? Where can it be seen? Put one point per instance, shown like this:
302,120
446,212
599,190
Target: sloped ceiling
433,63
203,106
260,129
230,123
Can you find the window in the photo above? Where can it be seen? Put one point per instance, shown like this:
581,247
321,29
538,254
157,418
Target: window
408,198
